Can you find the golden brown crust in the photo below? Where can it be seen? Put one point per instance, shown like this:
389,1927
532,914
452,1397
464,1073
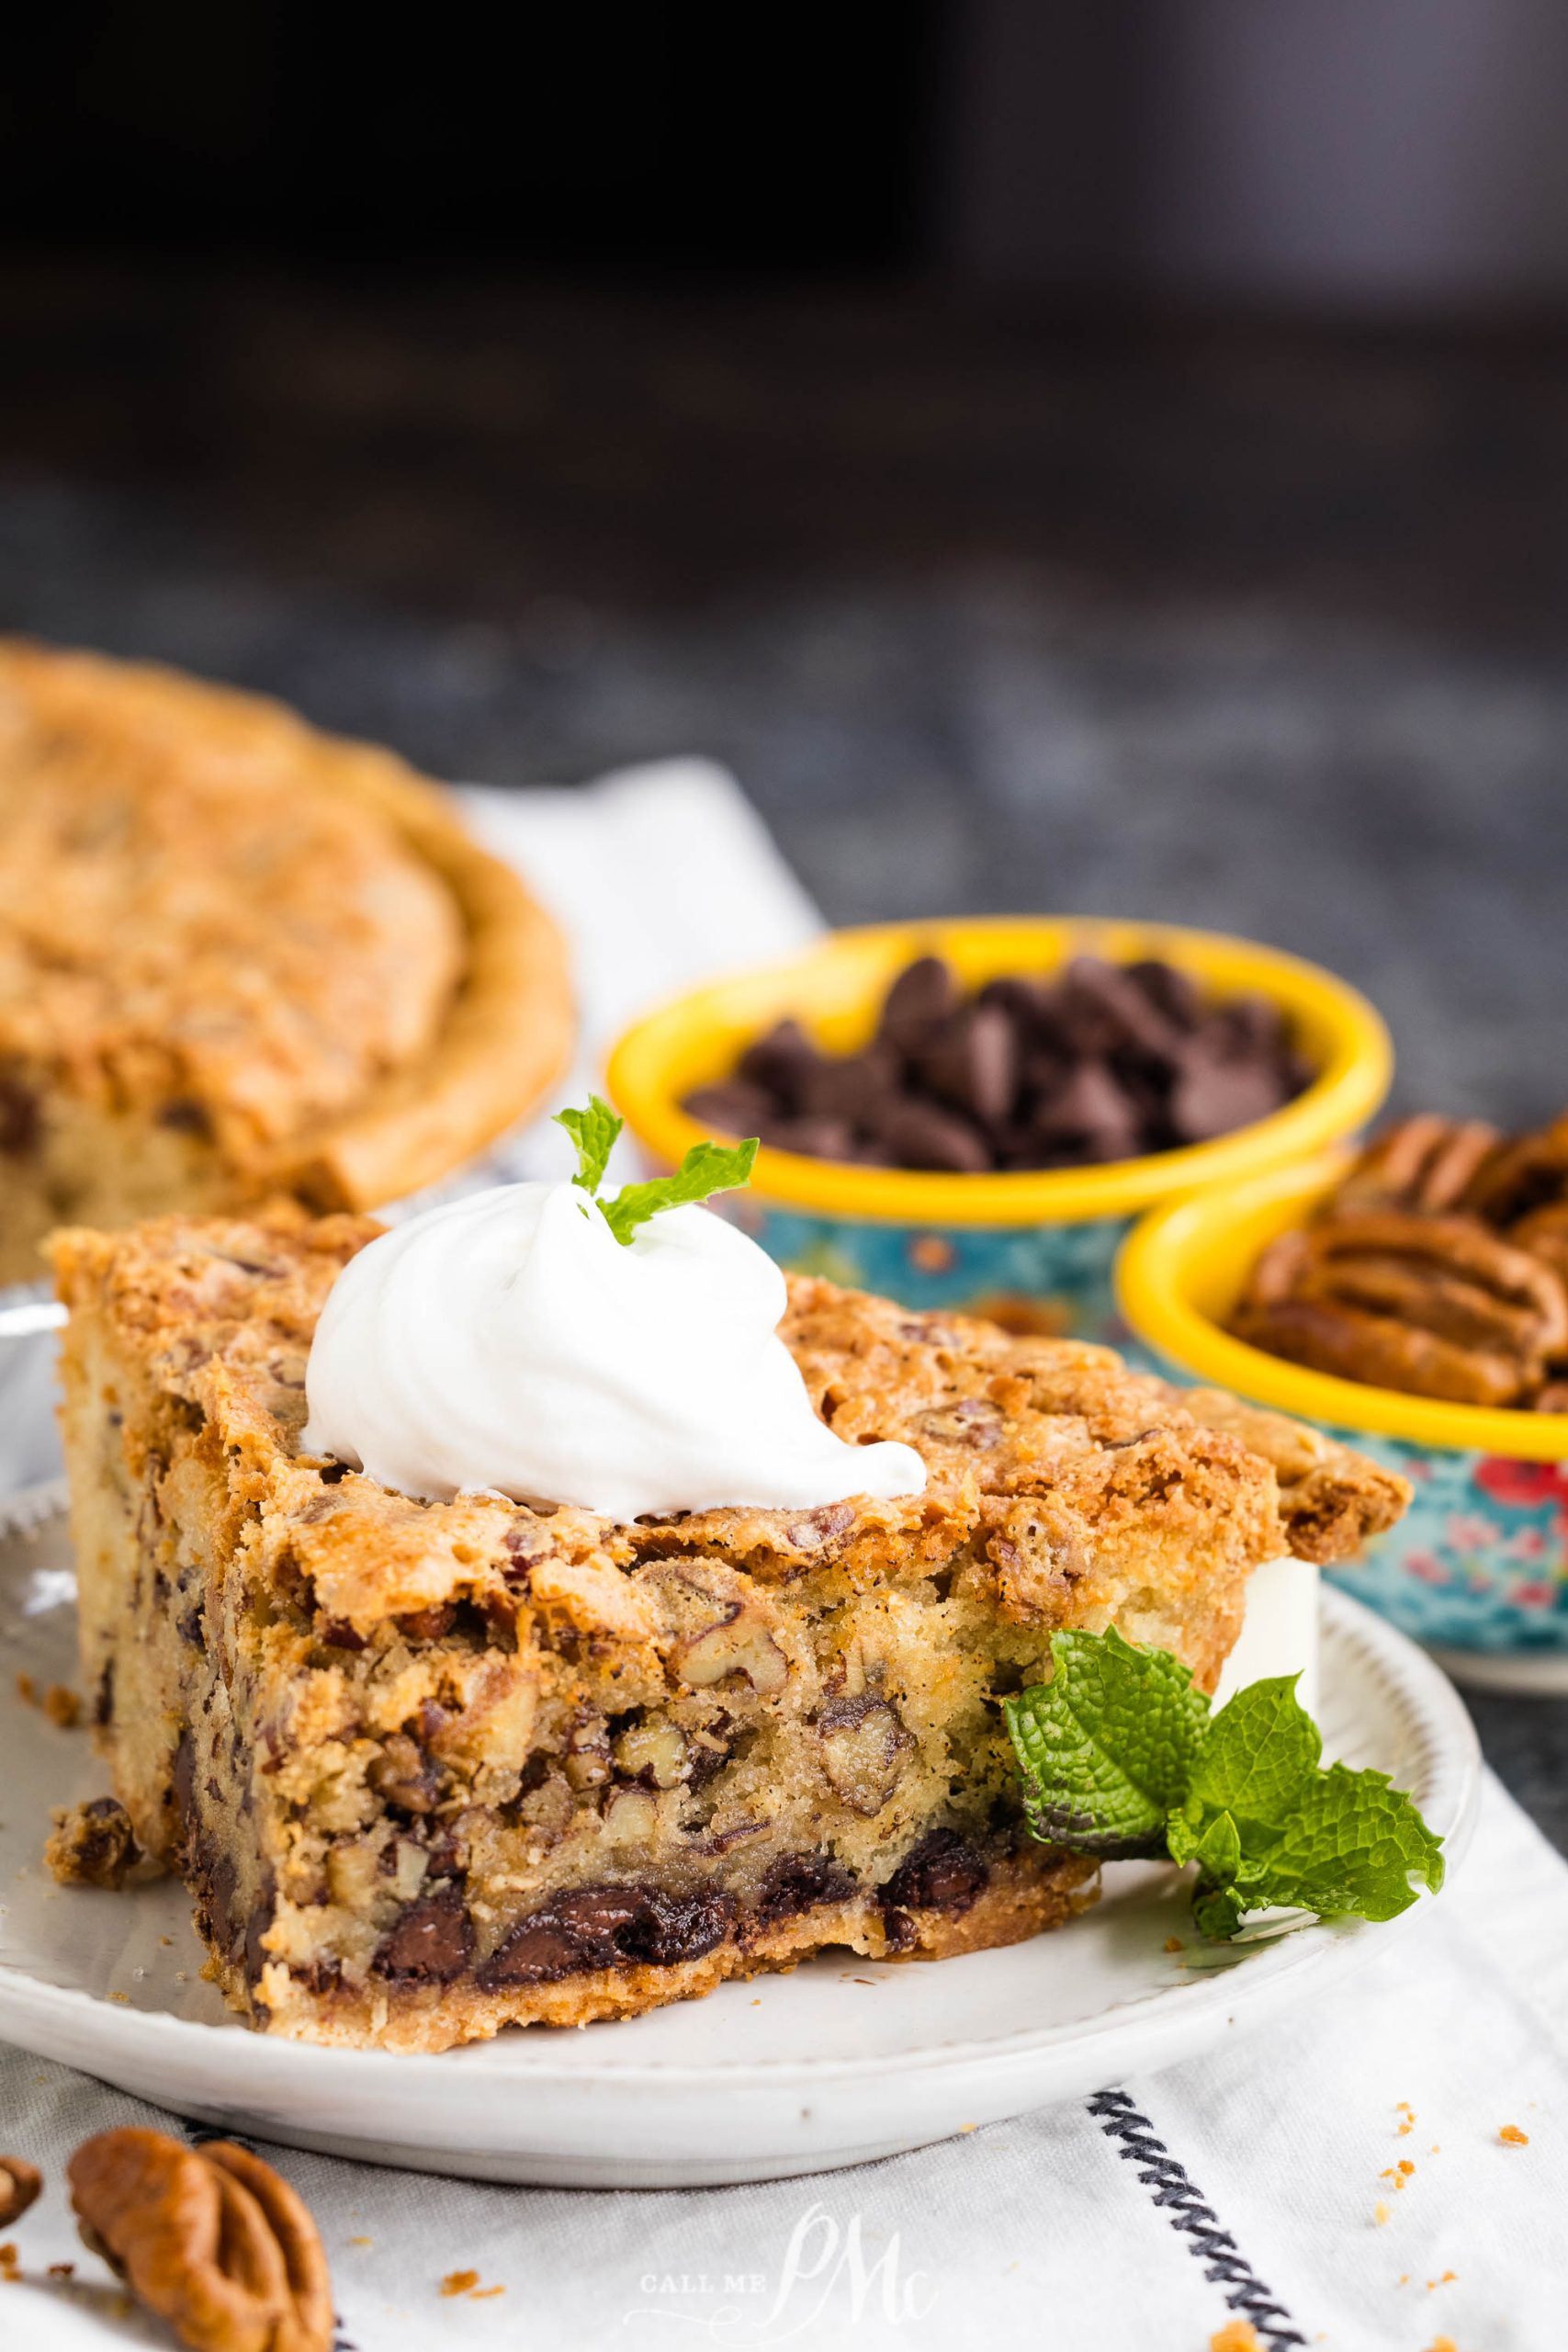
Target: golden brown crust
280,944
1332,1498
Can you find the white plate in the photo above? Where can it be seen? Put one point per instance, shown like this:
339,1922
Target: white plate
839,2061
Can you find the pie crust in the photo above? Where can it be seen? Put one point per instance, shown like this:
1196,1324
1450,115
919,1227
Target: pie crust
239,956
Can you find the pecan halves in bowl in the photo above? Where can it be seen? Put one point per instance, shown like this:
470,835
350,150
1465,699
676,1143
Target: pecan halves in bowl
1434,1306
210,2238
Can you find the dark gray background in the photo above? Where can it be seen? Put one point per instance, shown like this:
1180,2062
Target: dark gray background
1260,626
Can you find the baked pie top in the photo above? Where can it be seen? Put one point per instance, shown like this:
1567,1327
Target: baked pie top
1052,1468
277,940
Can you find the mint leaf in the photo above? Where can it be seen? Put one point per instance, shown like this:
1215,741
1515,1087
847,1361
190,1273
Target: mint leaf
1260,1754
1214,1845
1107,1747
1217,1911
593,1132
1120,1754
1353,1843
708,1168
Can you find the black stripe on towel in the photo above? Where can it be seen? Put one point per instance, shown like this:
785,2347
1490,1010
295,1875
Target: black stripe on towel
1169,2185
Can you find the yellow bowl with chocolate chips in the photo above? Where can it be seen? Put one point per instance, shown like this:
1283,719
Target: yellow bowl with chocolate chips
1033,1246
1478,1568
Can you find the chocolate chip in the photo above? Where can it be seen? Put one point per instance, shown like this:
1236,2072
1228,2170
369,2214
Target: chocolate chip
1212,1098
974,1063
257,1926
708,1760
1173,991
339,1635
431,1942
943,1873
733,1109
924,993
185,1115
797,1882
919,1135
1023,1001
853,1087
317,1976
610,1927
817,1138
780,1061
1090,1114
182,1778
21,1128
1106,1012
103,1700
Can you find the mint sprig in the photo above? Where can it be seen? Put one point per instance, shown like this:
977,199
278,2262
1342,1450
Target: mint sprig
1121,1755
708,1168
593,1132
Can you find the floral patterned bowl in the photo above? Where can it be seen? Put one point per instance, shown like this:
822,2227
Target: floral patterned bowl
1035,1249
1478,1568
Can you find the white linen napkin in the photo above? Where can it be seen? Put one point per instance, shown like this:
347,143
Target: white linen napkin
1263,2179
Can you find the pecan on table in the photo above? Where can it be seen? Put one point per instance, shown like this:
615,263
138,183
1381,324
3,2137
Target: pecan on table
210,2238
19,2185
1425,1163
1434,1306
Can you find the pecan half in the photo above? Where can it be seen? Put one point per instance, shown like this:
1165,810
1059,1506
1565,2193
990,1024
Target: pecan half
1544,1233
1328,1336
1435,1306
210,2238
1426,1163
19,2185
863,1743
741,1643
1527,1171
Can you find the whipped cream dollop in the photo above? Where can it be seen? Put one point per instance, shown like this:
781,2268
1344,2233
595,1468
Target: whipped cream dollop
508,1341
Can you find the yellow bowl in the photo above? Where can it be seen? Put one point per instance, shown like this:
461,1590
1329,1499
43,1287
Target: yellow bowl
1181,1273
1479,1565
836,989
943,1241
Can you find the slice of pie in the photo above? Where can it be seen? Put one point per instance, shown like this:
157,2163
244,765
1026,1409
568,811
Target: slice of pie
432,1768
237,956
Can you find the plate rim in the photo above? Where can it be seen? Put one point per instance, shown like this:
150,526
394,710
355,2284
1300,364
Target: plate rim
1258,1980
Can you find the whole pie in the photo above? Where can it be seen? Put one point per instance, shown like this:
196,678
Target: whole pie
433,1769
237,956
